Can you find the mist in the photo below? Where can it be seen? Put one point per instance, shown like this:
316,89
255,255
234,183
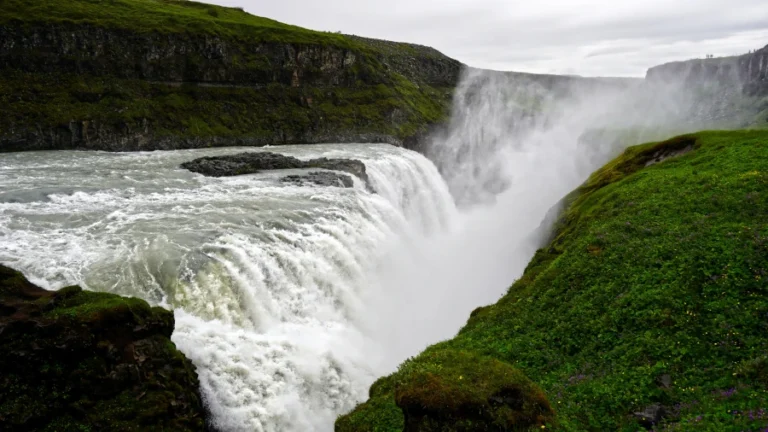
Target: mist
517,144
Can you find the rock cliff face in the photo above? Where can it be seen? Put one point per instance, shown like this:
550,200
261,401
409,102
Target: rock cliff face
215,60
748,71
730,90
77,360
96,84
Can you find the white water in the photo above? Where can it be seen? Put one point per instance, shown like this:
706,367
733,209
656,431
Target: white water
267,279
291,300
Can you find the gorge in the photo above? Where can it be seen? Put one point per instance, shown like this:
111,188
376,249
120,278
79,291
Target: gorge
292,297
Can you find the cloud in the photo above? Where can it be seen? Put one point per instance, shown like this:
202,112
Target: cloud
588,37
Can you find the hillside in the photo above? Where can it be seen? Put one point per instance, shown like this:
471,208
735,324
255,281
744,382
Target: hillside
149,74
649,302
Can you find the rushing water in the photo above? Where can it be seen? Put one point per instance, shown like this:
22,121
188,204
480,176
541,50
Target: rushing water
291,299
269,281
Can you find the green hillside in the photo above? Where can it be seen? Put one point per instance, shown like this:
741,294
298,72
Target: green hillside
165,16
653,291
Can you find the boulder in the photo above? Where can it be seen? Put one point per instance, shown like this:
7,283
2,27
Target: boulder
255,162
321,178
79,360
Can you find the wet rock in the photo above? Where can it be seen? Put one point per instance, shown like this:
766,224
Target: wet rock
79,360
664,154
242,163
352,166
651,416
255,162
321,178
664,381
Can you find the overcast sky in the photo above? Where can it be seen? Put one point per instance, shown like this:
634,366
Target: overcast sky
584,37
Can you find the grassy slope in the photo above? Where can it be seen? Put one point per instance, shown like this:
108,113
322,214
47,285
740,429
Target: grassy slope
261,112
166,16
654,271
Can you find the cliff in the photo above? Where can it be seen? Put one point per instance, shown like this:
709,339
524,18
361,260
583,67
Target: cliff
77,360
647,308
728,91
749,71
163,74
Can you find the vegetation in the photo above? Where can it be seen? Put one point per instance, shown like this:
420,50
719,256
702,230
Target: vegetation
272,113
165,16
653,291
258,82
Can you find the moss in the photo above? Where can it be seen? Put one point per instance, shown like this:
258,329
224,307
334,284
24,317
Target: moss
447,390
80,361
86,305
279,114
654,271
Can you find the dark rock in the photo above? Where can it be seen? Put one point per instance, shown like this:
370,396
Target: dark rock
254,162
664,154
651,416
321,178
665,381
79,360
242,163
352,166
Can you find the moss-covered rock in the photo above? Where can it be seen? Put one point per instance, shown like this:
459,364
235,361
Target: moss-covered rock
444,390
450,390
74,360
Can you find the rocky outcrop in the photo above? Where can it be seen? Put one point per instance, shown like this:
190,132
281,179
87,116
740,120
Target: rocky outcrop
255,162
725,93
452,391
78,360
749,72
320,178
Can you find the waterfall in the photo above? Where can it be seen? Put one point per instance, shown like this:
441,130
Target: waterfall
291,299
269,281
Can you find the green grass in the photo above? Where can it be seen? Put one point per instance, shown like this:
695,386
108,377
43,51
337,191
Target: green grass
165,16
654,272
